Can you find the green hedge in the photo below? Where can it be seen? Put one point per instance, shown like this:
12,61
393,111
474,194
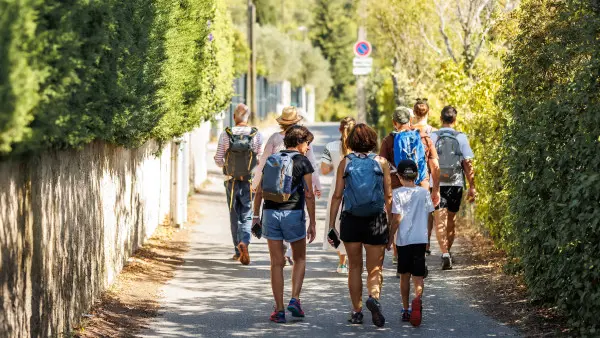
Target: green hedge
552,91
120,71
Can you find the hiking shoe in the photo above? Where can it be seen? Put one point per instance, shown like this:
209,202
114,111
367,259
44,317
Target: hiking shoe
426,272
278,317
236,257
375,308
288,260
446,263
417,312
244,255
406,315
356,317
295,308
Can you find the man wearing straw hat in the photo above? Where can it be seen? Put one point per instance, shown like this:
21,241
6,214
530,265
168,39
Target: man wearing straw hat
238,152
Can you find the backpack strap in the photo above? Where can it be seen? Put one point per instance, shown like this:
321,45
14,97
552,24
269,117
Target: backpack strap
253,132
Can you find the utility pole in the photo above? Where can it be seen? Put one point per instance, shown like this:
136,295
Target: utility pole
361,97
251,77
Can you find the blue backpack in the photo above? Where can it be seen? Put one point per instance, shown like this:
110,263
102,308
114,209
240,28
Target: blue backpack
277,177
363,193
408,146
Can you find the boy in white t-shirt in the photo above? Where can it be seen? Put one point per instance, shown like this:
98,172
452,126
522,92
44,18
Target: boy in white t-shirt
410,213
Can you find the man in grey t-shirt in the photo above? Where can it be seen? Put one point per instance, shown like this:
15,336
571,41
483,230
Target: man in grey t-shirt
455,158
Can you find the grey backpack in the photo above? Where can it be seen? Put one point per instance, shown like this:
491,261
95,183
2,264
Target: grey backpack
451,157
239,158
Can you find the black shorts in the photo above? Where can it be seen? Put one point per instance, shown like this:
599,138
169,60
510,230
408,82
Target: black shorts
367,230
450,198
411,259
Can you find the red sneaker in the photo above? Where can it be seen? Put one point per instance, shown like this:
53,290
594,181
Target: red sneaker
278,317
416,314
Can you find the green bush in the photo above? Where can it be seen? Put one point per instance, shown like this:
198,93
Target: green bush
552,148
120,71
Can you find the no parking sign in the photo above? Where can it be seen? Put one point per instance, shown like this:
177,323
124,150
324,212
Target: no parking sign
362,49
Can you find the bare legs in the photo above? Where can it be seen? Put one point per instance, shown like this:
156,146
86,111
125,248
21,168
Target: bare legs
342,259
375,254
299,267
278,262
445,229
451,228
405,288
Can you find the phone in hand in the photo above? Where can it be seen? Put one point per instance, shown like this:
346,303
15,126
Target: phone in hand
257,229
334,237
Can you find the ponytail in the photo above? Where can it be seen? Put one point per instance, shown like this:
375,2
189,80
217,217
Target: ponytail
346,125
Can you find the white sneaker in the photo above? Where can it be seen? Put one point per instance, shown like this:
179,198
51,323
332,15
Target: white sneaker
342,269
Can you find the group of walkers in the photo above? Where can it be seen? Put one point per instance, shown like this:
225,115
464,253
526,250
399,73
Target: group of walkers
387,200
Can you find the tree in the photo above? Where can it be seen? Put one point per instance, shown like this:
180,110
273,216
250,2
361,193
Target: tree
464,26
334,32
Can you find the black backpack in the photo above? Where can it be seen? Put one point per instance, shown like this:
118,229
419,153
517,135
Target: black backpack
239,158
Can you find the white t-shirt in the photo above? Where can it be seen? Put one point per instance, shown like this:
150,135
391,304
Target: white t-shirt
465,149
414,205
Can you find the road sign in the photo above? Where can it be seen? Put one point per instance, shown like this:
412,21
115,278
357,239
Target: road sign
360,62
362,65
362,48
361,71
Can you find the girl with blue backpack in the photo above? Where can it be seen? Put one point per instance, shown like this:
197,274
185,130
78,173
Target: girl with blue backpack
286,188
363,190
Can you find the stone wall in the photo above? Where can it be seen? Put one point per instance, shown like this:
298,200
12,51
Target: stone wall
68,222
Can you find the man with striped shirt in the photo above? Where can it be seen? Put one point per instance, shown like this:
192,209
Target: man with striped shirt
239,197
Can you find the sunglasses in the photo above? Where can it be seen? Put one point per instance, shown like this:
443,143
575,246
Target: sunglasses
422,100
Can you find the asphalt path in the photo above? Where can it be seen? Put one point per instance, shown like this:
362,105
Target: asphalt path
214,296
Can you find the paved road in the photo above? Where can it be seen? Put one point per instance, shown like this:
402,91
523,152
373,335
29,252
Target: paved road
213,296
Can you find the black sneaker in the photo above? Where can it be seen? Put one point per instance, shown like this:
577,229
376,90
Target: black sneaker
446,263
356,317
375,308
426,272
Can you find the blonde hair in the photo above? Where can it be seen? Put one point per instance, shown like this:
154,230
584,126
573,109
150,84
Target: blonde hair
346,126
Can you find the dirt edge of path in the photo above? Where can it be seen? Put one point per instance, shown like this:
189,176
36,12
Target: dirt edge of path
133,299
500,295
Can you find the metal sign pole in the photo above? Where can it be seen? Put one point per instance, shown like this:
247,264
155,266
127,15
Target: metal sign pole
361,96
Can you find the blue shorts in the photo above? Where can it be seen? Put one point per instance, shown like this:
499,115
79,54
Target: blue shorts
288,225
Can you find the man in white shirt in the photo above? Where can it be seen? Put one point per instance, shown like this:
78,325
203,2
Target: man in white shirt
456,164
237,166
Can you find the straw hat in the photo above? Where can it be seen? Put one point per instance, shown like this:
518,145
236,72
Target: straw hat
289,116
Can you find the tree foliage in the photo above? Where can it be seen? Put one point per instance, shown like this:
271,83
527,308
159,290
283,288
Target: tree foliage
282,58
121,71
334,32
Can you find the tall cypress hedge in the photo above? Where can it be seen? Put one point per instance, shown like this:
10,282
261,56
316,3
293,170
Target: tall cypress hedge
552,141
121,71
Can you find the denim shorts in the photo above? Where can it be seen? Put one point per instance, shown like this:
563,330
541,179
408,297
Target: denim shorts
288,225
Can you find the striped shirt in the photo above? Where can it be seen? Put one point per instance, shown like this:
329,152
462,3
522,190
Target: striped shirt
223,145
